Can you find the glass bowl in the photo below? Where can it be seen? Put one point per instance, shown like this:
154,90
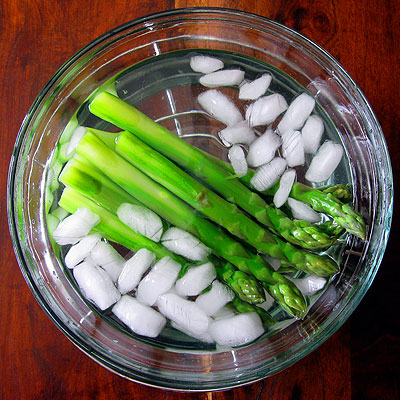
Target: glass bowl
169,34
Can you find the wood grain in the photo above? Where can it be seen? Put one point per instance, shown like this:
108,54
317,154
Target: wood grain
361,361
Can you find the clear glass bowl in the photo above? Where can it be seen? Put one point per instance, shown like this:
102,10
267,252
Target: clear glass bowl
367,168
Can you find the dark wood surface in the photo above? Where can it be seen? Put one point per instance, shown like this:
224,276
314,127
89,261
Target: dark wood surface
361,361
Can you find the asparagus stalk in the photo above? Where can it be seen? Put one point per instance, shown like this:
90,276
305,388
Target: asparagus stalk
82,176
108,138
161,169
128,179
244,285
118,112
111,227
177,213
320,199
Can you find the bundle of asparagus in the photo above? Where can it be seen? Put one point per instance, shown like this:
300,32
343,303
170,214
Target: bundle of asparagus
126,182
149,166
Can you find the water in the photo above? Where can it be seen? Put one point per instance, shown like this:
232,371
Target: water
165,88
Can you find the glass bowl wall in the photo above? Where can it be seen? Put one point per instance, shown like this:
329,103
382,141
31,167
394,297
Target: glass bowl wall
209,29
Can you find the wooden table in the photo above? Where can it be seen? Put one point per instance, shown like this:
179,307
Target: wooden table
360,361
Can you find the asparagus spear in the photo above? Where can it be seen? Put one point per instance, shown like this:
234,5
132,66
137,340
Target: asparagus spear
88,180
128,179
82,176
245,287
163,171
321,200
118,112
176,212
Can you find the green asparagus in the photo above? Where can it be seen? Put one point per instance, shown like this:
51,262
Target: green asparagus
82,176
163,171
114,230
146,165
173,209
88,180
170,208
321,200
118,112
164,203
342,213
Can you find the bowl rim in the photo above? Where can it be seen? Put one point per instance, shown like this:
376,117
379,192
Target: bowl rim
12,217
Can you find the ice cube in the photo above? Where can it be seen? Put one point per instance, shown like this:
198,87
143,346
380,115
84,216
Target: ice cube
238,330
196,279
134,269
140,318
213,300
108,258
158,281
96,285
183,312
